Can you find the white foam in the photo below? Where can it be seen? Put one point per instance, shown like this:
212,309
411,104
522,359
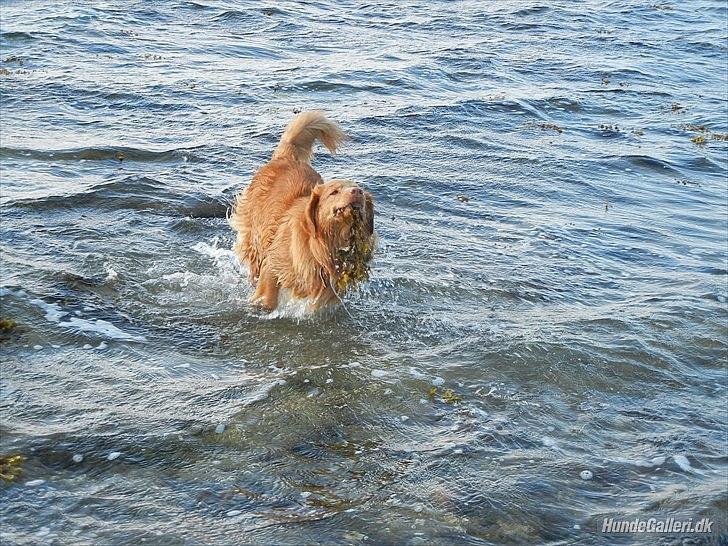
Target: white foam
290,307
223,256
101,327
111,274
414,372
54,313
682,462
180,278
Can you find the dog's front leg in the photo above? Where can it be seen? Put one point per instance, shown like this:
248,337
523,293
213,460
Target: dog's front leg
266,291
324,298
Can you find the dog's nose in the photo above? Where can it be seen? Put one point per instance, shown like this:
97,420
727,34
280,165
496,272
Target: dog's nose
356,191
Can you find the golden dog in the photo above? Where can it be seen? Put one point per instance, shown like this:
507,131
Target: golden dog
296,232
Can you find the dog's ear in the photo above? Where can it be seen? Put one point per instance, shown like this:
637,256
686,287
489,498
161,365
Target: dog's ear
311,216
369,212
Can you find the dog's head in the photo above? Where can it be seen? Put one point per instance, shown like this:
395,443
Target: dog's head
334,208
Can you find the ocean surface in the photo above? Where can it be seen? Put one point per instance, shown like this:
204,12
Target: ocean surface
542,343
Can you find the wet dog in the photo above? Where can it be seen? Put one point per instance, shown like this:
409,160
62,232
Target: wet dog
296,232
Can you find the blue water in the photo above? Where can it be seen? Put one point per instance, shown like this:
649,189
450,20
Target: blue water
548,296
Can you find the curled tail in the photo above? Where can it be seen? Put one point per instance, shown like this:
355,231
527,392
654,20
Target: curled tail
298,138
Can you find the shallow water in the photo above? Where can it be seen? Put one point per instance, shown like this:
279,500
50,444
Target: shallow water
553,253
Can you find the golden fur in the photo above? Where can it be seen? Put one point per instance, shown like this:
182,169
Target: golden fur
290,223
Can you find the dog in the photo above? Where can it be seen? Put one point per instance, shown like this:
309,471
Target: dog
297,232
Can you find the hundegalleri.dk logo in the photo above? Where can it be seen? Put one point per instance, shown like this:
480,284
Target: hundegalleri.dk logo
655,525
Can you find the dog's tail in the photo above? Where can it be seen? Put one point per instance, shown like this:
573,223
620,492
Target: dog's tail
297,141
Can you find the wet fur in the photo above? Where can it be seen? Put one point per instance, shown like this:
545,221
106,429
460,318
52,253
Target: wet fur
289,222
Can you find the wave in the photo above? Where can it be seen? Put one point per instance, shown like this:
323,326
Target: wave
104,153
648,162
17,36
137,193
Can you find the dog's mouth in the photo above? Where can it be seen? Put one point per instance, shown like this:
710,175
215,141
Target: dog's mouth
340,210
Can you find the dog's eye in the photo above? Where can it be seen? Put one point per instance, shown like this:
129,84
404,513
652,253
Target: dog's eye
334,192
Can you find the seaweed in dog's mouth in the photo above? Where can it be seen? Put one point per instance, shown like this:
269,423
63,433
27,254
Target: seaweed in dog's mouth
352,261
350,206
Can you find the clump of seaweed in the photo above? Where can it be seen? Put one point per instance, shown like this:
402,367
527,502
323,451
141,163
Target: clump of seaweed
6,327
609,127
352,262
11,466
553,126
7,324
677,108
686,182
448,396
544,126
704,134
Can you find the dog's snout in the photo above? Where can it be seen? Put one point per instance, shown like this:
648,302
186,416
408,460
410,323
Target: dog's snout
356,191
